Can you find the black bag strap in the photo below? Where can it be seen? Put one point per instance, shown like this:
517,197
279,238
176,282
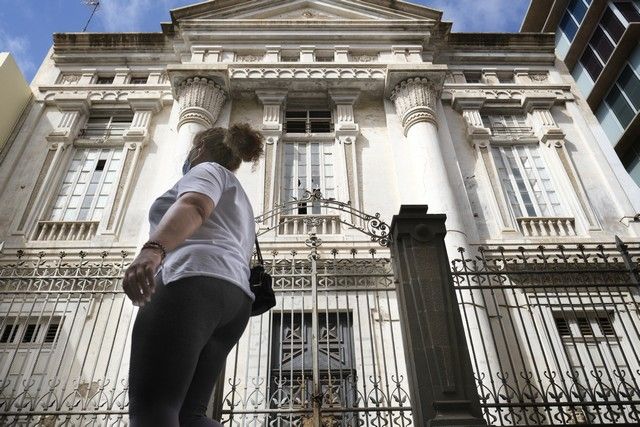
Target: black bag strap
260,260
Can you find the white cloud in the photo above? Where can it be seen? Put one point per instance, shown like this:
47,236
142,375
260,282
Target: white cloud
124,15
19,48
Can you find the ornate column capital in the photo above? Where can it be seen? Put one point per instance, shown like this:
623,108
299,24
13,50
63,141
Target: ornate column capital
200,100
415,100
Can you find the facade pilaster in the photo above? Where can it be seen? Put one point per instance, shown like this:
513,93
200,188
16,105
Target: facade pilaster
272,129
347,131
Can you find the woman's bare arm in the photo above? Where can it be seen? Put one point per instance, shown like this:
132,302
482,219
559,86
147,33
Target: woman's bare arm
180,221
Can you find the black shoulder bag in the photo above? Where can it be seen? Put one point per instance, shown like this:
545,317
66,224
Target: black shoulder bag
261,285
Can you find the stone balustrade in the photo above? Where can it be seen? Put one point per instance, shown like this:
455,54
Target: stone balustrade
65,230
305,224
547,226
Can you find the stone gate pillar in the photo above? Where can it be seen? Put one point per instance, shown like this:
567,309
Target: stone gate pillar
441,382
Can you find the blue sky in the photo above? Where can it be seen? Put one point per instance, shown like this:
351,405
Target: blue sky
26,25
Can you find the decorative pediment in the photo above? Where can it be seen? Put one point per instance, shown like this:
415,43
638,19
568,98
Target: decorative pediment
305,10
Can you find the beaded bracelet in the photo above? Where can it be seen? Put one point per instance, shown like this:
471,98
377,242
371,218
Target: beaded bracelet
152,244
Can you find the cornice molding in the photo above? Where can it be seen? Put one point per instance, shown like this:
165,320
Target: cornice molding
56,97
279,72
523,97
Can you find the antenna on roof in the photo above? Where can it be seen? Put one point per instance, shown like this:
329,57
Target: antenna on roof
95,4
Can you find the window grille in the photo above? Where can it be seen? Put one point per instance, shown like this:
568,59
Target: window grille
526,181
107,125
87,185
308,166
308,121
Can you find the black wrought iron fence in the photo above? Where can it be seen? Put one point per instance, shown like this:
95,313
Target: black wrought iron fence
553,332
64,328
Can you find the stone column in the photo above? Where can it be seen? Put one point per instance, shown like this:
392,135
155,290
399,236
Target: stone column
200,101
441,383
415,101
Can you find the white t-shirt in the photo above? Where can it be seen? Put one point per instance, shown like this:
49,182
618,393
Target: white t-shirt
223,245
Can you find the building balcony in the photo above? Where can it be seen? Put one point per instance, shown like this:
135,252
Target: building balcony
547,226
293,225
65,230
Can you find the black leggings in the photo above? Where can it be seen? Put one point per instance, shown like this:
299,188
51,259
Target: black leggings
179,344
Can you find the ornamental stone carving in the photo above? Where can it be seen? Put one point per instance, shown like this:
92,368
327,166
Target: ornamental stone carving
415,101
200,100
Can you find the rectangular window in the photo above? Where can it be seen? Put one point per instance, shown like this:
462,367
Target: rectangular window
620,106
87,185
526,181
290,57
105,80
308,121
291,368
573,16
308,166
101,125
591,63
324,56
506,77
629,10
612,25
629,83
30,331
138,80
602,45
594,351
473,76
507,124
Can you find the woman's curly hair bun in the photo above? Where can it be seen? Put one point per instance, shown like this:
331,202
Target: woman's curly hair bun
246,142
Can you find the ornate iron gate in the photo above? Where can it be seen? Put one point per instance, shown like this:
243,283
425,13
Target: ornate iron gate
329,354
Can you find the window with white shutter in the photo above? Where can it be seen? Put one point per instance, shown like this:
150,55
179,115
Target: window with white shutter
526,181
87,185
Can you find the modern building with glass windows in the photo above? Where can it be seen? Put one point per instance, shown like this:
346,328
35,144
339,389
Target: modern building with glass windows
599,41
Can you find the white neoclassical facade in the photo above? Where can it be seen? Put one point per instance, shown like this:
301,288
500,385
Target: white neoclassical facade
366,105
